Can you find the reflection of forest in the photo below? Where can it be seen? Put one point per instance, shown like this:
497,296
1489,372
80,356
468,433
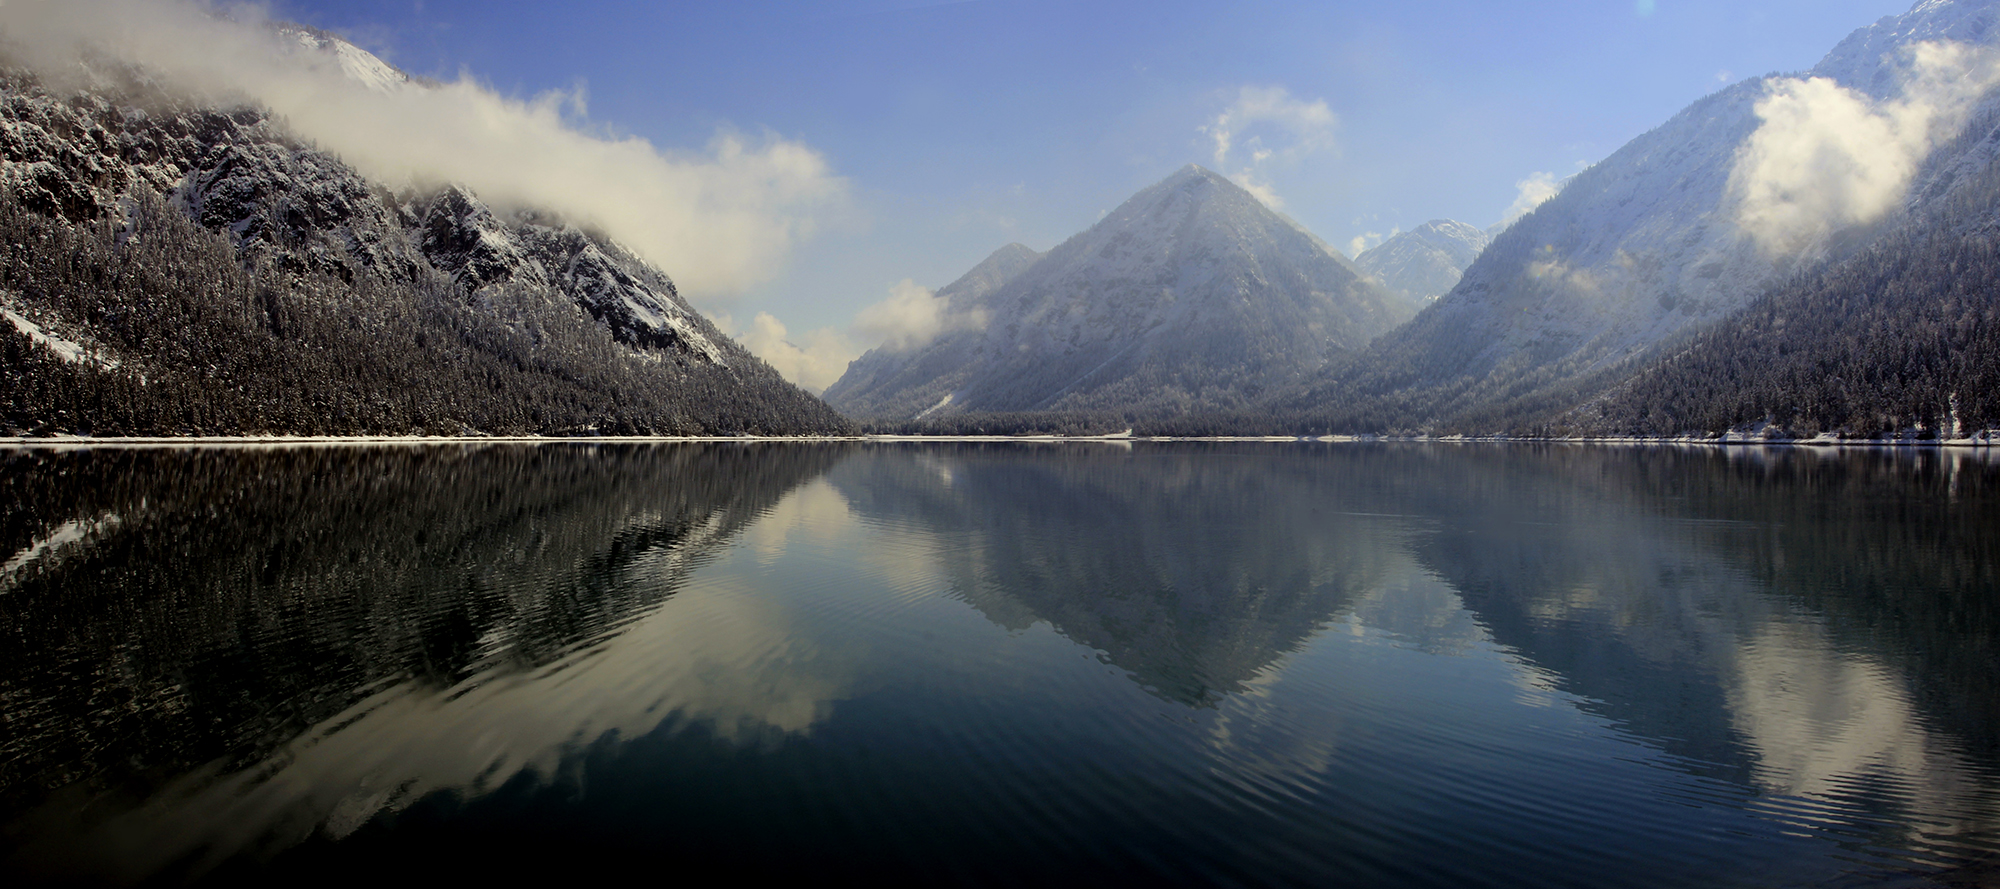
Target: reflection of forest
1193,567
1796,621
170,608
1797,624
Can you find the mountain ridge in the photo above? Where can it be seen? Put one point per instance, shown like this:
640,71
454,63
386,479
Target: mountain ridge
1191,295
503,322
1635,253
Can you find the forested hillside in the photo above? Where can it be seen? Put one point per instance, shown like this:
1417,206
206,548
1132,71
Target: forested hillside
182,339
169,266
1902,338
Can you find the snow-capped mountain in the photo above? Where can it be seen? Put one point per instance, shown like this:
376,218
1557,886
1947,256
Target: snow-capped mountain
1659,238
1425,262
359,65
101,154
1192,295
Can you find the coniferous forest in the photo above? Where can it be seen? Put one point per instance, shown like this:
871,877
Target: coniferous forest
1903,336
173,269
207,346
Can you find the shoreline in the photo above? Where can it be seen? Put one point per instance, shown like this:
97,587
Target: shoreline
1985,439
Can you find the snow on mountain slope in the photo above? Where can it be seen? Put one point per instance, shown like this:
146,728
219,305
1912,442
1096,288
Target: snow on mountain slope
1190,295
1656,240
1424,263
481,249
90,154
252,173
1865,59
357,64
876,383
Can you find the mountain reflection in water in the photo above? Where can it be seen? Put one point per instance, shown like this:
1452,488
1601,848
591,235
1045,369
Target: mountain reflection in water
1255,663
260,644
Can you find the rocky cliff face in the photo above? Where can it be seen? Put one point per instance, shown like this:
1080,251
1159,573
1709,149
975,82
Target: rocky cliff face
87,156
1189,296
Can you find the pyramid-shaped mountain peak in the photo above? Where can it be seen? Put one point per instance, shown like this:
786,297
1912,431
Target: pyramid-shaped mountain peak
1197,180
1190,295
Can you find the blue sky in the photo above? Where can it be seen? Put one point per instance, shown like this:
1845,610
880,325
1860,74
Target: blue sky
960,127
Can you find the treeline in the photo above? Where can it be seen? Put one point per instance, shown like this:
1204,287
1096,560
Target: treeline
193,342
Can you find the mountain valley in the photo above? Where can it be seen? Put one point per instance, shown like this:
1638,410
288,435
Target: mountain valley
182,264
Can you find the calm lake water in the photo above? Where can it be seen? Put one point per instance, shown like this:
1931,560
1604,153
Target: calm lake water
1249,664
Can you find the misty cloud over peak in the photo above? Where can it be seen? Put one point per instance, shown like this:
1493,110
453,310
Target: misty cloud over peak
717,220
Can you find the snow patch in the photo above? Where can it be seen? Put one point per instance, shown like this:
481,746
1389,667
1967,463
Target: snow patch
942,402
66,350
356,64
68,534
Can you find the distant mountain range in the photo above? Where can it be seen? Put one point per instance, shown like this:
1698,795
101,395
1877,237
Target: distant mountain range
1791,256
182,266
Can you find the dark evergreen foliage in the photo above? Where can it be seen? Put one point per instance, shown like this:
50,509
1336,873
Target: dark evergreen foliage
207,347
1901,338
229,281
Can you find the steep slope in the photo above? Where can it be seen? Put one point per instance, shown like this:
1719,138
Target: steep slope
1425,262
1643,248
1903,337
1190,296
424,310
892,383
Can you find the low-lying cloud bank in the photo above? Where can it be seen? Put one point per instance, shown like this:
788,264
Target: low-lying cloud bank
812,360
718,221
1827,156
909,317
912,316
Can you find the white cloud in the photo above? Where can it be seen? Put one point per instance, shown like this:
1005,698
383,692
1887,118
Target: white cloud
1273,129
1827,156
910,317
717,220
1529,193
813,363
1367,241
1258,187
1549,268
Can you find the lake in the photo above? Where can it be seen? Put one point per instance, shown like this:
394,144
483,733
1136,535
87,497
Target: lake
1393,664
